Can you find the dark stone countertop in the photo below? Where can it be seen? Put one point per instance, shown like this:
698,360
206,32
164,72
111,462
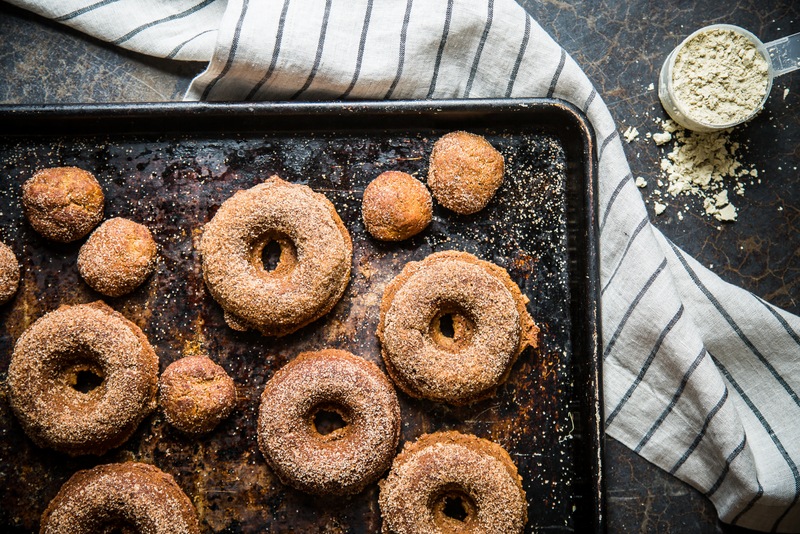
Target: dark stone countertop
621,46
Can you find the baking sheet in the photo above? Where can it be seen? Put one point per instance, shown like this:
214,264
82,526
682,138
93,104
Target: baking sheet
170,166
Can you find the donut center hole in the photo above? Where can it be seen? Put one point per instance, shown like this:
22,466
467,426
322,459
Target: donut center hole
329,421
446,325
276,254
271,255
84,377
453,509
86,380
452,329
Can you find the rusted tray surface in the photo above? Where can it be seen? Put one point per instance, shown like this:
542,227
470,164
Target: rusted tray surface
171,166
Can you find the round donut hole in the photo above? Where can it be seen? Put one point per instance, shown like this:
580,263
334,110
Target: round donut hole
454,506
329,421
452,329
84,378
86,381
278,255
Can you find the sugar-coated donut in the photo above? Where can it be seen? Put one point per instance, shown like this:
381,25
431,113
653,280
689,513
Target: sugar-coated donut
450,482
347,459
63,203
124,497
314,266
118,256
82,378
9,273
396,206
490,327
464,172
196,394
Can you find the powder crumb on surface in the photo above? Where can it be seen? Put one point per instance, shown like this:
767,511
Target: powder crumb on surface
641,182
785,92
662,138
705,165
630,134
659,208
651,87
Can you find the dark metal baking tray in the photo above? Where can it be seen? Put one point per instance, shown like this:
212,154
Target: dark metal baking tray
170,166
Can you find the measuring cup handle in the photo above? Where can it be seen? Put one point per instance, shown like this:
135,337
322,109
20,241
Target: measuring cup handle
784,54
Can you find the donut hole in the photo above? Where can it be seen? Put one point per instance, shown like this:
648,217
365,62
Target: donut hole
271,255
82,376
452,329
446,325
87,380
329,422
276,254
453,508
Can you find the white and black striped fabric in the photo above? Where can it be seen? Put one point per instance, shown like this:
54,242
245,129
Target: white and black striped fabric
700,377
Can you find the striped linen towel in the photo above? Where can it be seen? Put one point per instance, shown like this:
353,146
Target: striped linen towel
700,377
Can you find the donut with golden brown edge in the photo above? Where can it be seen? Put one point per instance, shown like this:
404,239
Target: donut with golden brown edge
46,379
63,203
347,459
314,266
490,328
9,273
448,482
118,256
196,394
396,206
124,497
464,172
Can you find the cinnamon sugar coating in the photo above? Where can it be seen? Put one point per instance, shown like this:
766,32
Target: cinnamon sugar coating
117,257
314,266
124,497
63,203
490,328
9,273
464,172
347,459
396,206
476,473
196,394
82,378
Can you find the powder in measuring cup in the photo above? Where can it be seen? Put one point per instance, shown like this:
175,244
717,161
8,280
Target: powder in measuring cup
720,77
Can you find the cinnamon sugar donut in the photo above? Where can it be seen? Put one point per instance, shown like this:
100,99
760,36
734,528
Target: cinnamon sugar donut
490,327
464,172
450,482
9,273
314,266
82,378
63,203
117,257
125,497
346,459
196,394
396,206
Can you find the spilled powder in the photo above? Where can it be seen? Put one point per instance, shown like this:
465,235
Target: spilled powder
705,165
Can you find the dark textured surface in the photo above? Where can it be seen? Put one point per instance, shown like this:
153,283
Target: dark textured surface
544,415
620,45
